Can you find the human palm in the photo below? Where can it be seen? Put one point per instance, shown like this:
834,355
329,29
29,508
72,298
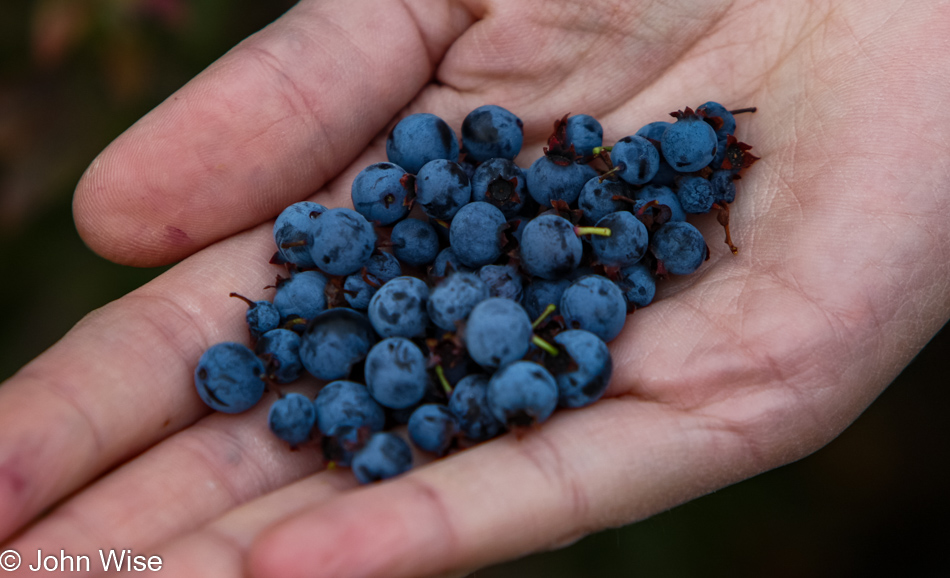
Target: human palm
752,362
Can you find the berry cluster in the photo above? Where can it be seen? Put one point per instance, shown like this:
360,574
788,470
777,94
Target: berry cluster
498,289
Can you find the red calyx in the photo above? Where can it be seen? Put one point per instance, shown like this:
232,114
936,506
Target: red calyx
558,150
738,158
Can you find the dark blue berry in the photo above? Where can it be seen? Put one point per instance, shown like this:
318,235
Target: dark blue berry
291,418
379,193
502,183
491,132
343,241
550,248
689,144
728,120
503,281
293,232
420,138
475,234
334,341
587,383
399,308
663,196
522,394
584,132
396,373
540,293
385,456
454,298
432,427
498,332
696,195
636,159
347,403
723,185
279,349
595,304
442,188
302,295
597,198
360,287
469,403
627,242
552,178
415,242
680,247
446,263
229,377
638,285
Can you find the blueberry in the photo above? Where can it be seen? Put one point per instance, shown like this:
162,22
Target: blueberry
302,295
680,247
636,159
587,383
446,263
415,242
498,332
521,394
689,144
663,196
343,241
385,456
347,403
696,195
360,287
637,284
293,232
627,242
584,132
469,403
279,349
432,427
500,182
454,298
490,131
502,281
334,341
228,378
542,292
396,373
399,308
550,248
723,185
474,234
291,418
597,198
553,178
380,192
442,188
420,138
595,304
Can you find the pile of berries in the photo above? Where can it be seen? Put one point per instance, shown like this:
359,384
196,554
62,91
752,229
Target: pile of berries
467,297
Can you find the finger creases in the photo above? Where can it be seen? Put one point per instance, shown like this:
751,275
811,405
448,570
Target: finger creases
266,125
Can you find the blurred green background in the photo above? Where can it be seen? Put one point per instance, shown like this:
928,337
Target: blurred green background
76,73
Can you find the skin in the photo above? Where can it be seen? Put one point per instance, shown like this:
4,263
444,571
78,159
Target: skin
764,357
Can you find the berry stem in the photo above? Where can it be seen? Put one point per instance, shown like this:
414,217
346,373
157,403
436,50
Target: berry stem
550,349
741,110
297,243
616,169
250,303
597,150
440,373
599,231
547,311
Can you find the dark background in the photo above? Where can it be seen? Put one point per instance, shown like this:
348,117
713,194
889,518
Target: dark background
76,73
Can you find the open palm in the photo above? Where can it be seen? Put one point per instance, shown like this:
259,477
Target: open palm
752,362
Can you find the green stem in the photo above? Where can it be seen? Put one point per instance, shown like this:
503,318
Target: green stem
599,231
547,311
550,349
445,382
597,150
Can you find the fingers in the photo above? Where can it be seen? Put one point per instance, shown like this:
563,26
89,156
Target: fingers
266,125
122,379
509,496
183,482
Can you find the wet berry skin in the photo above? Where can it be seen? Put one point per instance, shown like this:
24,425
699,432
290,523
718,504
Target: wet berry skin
420,138
385,456
594,303
489,132
379,193
587,383
396,373
522,394
229,378
291,418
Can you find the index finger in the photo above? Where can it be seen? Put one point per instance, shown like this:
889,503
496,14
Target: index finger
266,125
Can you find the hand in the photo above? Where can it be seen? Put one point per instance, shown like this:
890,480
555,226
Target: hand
755,361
